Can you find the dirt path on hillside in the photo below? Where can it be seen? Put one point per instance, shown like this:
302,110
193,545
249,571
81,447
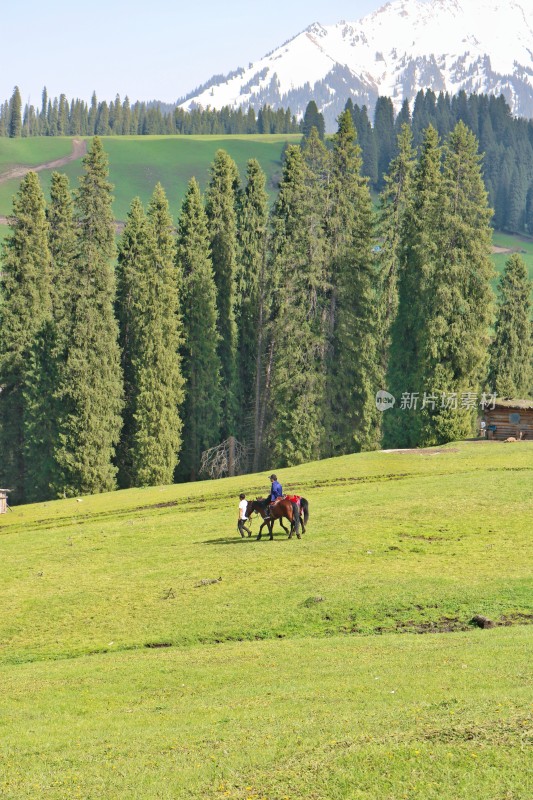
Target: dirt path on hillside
79,149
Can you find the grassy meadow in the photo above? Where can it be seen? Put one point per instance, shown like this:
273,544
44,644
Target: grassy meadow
303,672
137,163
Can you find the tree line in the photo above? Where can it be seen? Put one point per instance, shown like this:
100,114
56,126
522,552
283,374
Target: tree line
63,117
277,326
506,141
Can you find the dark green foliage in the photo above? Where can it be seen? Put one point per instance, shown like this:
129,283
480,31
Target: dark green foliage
313,119
59,117
91,384
201,363
394,203
15,114
440,335
147,309
253,220
25,311
353,374
298,277
63,245
511,352
459,300
384,134
221,209
418,252
50,353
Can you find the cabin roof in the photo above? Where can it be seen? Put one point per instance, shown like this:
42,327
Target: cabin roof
523,405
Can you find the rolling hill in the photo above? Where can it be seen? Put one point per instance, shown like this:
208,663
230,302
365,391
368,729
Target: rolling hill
137,163
147,651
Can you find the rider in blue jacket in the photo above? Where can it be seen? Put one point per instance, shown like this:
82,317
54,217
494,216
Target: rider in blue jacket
275,492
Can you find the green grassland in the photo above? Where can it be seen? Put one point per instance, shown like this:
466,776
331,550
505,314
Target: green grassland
137,163
519,244
32,151
303,672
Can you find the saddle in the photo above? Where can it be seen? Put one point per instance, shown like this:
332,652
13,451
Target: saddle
294,498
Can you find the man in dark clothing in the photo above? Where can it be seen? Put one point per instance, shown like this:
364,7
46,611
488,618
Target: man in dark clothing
275,492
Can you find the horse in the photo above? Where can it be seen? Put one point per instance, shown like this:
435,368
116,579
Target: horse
282,509
303,509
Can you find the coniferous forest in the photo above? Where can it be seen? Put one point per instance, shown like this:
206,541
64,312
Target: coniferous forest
121,364
505,141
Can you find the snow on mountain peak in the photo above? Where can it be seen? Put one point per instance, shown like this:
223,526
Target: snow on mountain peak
404,46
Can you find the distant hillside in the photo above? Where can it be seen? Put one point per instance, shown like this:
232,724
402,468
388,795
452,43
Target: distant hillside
137,163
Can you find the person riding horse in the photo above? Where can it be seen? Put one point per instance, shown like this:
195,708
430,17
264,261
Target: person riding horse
275,493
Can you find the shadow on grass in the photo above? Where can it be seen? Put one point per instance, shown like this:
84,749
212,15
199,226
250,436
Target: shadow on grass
247,540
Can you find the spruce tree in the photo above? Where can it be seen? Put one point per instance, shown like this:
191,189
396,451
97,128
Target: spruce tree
384,133
15,114
313,119
352,363
63,244
134,255
459,298
298,271
252,288
91,385
511,352
221,203
201,362
394,203
147,308
25,310
418,254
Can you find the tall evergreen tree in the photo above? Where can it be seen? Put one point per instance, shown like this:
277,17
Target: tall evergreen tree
15,114
458,304
91,384
253,220
418,255
299,271
25,310
511,352
384,133
394,203
352,364
147,305
313,119
201,362
51,346
221,208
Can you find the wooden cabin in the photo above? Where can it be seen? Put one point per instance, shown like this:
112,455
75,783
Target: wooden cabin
3,500
510,418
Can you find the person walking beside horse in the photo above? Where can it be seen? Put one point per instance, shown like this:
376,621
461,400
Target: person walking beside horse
243,516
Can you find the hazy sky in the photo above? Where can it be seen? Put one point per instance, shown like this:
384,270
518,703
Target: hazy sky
149,49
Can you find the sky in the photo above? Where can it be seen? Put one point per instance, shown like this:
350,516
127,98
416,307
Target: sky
147,49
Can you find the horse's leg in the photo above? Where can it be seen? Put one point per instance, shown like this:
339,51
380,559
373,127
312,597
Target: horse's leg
261,528
296,519
271,529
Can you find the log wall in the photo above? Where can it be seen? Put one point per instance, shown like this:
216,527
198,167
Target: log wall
505,428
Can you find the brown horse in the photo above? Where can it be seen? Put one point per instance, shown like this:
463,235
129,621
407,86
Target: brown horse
282,509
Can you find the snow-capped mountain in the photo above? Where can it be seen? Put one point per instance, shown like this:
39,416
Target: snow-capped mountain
407,45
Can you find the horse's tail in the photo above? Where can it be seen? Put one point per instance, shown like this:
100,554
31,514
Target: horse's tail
305,509
296,518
